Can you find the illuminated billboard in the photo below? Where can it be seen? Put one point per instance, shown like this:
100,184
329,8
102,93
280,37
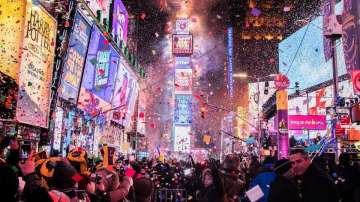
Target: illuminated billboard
182,44
230,60
302,58
182,63
11,34
36,68
182,26
74,59
183,81
99,75
182,138
316,104
120,21
182,114
125,94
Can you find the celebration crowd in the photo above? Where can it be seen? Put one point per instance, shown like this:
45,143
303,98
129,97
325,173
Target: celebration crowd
300,178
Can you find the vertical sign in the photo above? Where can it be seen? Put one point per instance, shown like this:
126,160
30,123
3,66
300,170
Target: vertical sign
230,51
120,21
58,129
75,59
35,77
282,123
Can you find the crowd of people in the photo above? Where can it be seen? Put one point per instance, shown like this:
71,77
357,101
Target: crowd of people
78,178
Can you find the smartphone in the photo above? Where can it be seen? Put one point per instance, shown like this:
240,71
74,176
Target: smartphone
25,150
188,172
40,155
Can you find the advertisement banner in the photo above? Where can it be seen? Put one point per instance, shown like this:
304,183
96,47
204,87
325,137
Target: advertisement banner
99,75
182,114
282,124
183,81
120,21
74,59
182,26
230,60
182,44
35,77
58,128
11,33
182,138
351,36
309,122
125,93
182,63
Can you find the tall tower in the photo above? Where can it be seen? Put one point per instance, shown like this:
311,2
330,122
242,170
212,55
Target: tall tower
182,49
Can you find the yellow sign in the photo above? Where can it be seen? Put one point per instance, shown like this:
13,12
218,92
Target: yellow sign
282,100
35,74
11,34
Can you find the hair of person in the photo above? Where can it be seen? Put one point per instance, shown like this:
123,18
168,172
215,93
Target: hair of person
300,151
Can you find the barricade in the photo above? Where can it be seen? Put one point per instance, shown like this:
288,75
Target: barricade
170,195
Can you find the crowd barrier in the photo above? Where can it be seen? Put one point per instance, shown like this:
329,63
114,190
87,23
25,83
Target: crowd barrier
170,195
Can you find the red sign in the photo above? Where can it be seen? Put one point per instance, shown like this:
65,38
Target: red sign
355,75
339,131
281,82
344,120
309,122
182,44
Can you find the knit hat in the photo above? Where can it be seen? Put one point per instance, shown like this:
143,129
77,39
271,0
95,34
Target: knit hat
143,189
78,158
231,163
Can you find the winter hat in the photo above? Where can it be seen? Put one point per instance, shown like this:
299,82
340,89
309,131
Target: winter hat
231,163
143,189
78,158
62,176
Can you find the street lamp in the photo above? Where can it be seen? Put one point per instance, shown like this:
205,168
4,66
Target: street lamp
244,75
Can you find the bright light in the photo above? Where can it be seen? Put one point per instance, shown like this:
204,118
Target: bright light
240,75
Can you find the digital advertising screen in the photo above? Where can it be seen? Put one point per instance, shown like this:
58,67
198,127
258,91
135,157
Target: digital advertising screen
36,68
316,105
183,81
182,63
183,113
302,58
11,33
182,26
125,93
120,21
99,75
182,44
182,138
75,59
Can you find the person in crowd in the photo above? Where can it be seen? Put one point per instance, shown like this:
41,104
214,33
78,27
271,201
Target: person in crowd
212,185
314,184
347,178
265,178
283,189
144,189
107,187
230,176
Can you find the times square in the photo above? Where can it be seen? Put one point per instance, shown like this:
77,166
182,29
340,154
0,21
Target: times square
180,100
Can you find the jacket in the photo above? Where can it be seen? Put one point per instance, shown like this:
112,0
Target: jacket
317,186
